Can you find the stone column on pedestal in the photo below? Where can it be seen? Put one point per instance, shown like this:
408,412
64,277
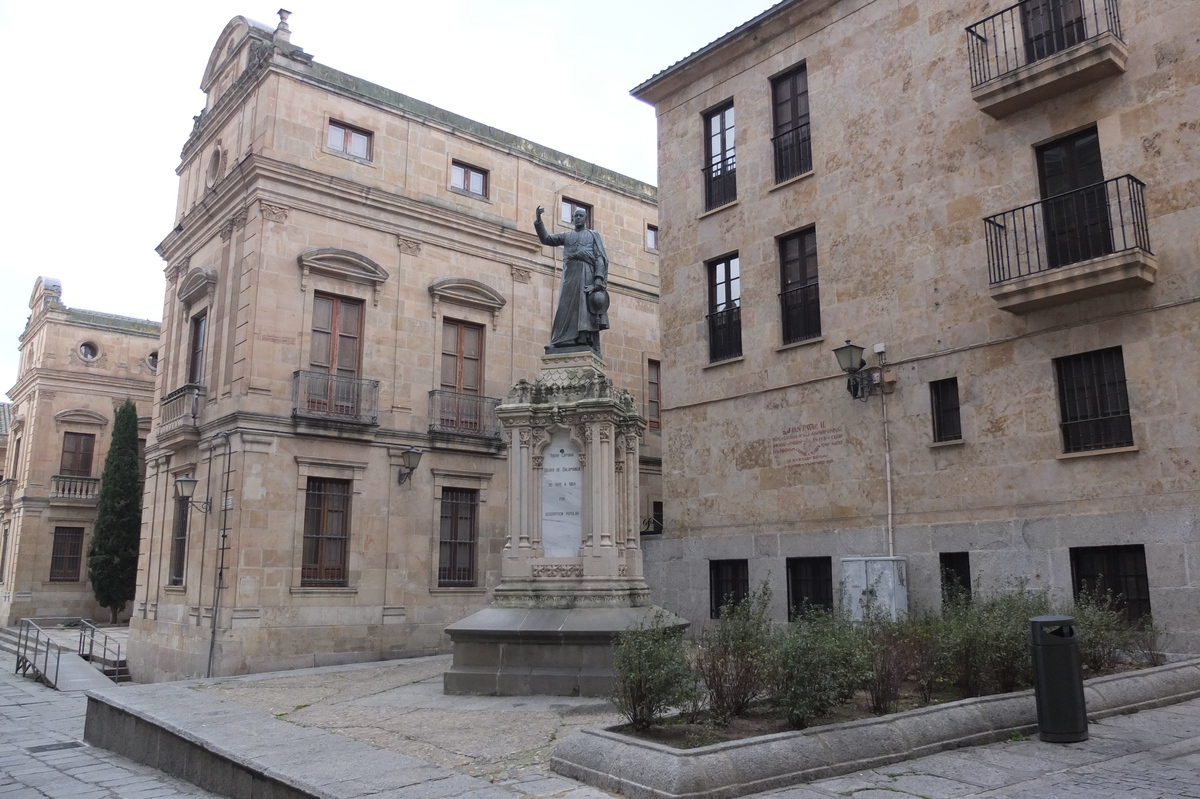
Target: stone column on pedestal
572,566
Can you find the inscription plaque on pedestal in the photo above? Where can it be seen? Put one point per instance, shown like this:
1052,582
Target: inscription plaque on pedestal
562,498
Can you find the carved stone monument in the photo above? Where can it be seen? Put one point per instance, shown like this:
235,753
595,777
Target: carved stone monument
572,568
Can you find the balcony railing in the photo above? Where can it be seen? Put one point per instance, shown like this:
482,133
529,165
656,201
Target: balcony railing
793,152
1075,226
69,487
463,414
180,408
7,488
1033,30
720,183
725,334
800,309
319,395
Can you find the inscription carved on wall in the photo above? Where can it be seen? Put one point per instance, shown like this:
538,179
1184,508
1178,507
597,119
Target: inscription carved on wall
805,444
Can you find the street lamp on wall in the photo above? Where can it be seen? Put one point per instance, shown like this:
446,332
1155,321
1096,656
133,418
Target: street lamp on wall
185,489
861,380
411,460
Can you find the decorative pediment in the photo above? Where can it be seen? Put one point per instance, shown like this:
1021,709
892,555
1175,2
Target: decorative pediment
471,293
342,265
228,57
198,283
80,416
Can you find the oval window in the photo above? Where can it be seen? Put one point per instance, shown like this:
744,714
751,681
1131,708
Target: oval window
88,351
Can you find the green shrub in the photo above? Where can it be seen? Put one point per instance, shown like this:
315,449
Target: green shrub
925,635
817,663
733,655
1147,640
651,670
985,641
1102,629
889,653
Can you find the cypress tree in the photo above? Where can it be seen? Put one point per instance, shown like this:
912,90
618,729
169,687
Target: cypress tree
113,552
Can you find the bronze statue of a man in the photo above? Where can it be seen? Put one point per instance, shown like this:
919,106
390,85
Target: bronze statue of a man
583,301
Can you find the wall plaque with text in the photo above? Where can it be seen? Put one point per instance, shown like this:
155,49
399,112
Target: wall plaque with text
562,497
805,444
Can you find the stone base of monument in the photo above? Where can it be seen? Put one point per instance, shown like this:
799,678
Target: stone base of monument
540,651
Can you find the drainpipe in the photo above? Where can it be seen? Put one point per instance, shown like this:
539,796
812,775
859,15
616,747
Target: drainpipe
212,639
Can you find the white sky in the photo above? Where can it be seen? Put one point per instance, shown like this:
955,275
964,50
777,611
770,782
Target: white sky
99,99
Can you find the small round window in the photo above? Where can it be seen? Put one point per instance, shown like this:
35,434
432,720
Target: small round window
152,360
88,351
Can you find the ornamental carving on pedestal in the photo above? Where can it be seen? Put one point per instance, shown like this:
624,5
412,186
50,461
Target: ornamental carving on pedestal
558,570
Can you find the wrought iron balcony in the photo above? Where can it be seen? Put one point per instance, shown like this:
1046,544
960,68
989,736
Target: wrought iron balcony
720,183
180,408
463,414
793,152
1090,241
725,334
1037,49
64,486
800,309
320,395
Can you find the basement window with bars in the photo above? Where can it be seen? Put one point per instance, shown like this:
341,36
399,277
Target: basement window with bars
728,584
66,554
809,584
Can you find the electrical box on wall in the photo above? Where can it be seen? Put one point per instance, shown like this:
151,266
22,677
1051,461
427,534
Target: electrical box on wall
879,582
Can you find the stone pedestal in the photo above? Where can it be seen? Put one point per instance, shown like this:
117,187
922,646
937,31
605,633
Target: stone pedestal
572,569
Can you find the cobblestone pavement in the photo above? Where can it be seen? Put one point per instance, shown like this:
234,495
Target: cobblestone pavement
1154,754
42,753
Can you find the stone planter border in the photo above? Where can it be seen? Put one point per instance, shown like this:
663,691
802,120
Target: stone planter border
644,770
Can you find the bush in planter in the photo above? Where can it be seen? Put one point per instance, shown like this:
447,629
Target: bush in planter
985,639
733,655
1103,631
1147,639
652,673
817,662
925,636
890,658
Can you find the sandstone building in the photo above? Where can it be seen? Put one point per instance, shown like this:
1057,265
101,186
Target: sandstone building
1002,196
76,368
354,276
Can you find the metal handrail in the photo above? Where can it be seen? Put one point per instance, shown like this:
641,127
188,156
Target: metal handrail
793,152
110,650
35,649
720,183
464,414
321,395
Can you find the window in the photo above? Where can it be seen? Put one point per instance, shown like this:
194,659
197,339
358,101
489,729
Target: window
4,554
326,533
462,376
1050,26
792,141
141,456
724,311
196,350
349,141
77,454
88,351
456,554
66,554
809,584
653,394
568,209
800,297
1075,200
334,356
179,542
16,461
469,179
943,398
152,361
651,237
956,575
728,584
656,517
1093,403
1119,569
720,183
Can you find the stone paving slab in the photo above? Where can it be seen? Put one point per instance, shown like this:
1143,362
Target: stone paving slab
386,730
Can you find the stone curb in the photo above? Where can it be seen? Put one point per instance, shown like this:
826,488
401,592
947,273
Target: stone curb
644,770
236,751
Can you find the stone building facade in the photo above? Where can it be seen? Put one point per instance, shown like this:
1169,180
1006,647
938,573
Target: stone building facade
1005,199
354,276
77,367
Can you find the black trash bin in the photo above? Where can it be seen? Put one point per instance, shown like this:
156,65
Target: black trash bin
1058,679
